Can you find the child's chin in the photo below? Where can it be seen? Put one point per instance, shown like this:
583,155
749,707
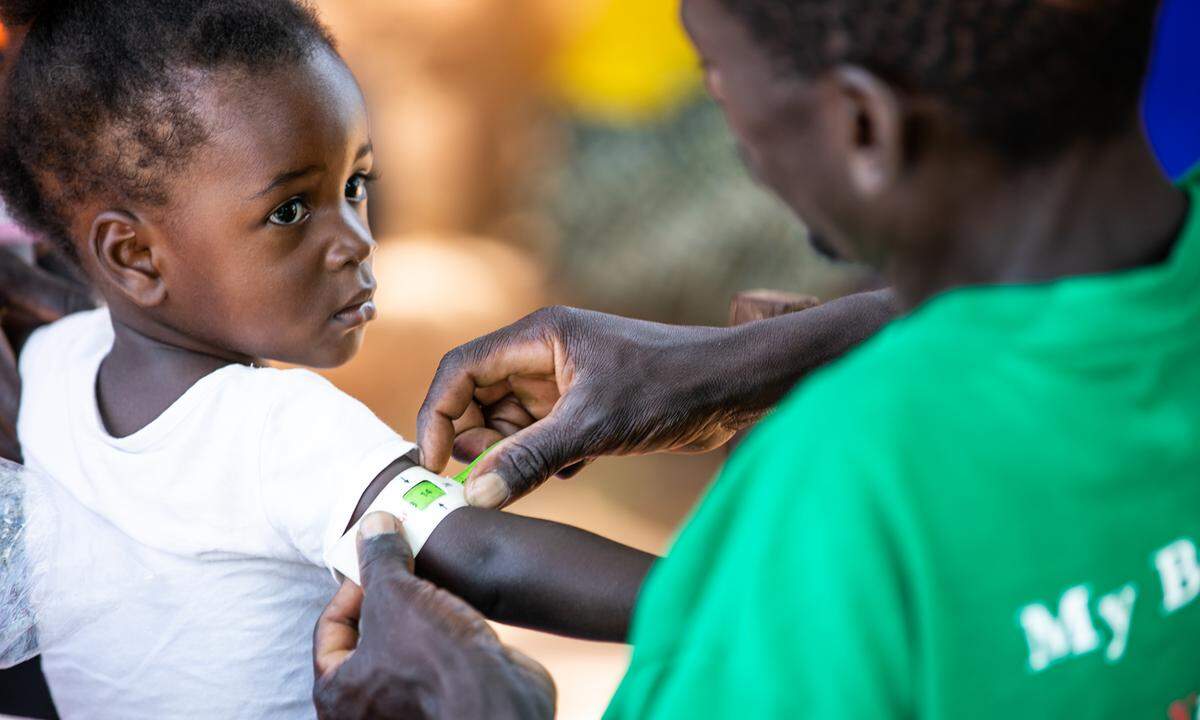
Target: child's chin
336,354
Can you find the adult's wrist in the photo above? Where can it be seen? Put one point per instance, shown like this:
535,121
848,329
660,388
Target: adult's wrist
768,357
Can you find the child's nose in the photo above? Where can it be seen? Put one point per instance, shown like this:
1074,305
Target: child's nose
352,246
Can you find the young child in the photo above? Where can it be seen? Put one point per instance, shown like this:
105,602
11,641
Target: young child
208,163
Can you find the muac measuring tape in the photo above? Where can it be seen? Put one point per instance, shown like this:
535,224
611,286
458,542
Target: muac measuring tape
420,499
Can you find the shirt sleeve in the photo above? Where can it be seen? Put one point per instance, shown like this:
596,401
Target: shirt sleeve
783,596
320,450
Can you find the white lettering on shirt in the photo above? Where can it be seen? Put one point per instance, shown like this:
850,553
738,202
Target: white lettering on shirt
1072,632
1053,638
1117,610
1180,574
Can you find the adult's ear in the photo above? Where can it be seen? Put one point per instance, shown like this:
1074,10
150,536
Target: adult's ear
122,248
872,119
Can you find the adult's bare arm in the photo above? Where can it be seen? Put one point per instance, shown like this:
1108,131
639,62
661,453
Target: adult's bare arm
563,386
29,297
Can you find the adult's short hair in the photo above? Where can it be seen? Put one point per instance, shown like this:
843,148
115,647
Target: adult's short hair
1025,76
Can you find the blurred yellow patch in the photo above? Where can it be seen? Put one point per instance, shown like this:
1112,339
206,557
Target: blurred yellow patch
625,61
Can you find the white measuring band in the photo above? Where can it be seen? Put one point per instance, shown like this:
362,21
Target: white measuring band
418,498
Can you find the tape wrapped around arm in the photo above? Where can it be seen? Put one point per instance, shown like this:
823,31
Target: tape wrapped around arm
419,498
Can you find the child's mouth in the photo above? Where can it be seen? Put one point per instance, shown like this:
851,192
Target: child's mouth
358,313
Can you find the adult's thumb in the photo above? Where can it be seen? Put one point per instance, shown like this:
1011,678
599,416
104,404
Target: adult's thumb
382,549
524,460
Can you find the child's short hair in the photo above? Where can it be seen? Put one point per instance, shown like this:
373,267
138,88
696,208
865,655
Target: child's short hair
1026,76
97,102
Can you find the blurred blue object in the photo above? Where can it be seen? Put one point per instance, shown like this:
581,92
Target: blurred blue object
1172,104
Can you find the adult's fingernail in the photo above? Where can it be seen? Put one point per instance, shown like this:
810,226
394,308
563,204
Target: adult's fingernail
378,523
487,491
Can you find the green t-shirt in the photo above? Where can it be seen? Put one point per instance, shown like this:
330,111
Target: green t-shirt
991,510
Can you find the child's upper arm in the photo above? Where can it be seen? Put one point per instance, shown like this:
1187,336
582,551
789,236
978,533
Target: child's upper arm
320,451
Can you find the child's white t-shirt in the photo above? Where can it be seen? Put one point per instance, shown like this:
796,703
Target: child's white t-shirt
228,500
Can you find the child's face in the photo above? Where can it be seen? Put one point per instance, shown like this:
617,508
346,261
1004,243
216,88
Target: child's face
265,250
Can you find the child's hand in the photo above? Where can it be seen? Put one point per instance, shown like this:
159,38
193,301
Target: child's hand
29,297
407,649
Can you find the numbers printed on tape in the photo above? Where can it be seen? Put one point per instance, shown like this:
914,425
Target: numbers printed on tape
423,494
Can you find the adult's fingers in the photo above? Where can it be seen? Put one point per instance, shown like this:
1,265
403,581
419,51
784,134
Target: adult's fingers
536,673
526,459
536,395
336,635
509,415
571,471
493,423
28,290
471,418
527,347
472,443
382,550
386,565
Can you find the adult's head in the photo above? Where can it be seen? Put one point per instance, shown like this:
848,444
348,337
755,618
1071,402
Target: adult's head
873,119
206,162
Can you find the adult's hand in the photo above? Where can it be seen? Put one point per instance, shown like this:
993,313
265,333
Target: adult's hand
563,386
30,296
407,649
595,384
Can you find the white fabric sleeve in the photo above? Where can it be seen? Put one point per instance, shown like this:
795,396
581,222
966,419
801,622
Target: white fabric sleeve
320,449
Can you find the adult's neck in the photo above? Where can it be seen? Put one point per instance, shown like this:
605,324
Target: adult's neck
1095,208
147,370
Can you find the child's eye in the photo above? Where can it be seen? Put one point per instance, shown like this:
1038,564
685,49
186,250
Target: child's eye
289,213
356,188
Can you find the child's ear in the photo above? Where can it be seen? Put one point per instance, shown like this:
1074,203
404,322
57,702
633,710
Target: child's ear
122,247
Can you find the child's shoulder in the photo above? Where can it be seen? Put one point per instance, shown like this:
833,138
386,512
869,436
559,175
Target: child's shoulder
290,380
73,347
292,397
54,351
95,323
84,336
60,361
290,387
80,333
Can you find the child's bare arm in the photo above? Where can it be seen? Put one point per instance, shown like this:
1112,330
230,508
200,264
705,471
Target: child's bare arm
528,572
536,573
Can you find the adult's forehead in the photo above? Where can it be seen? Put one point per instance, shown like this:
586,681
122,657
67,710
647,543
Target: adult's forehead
262,122
714,28
693,16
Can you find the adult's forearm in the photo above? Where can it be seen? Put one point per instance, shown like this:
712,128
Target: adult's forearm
537,574
768,357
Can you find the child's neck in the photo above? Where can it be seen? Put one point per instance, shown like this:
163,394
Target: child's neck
143,375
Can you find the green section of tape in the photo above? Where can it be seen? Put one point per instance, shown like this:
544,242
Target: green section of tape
423,494
461,478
